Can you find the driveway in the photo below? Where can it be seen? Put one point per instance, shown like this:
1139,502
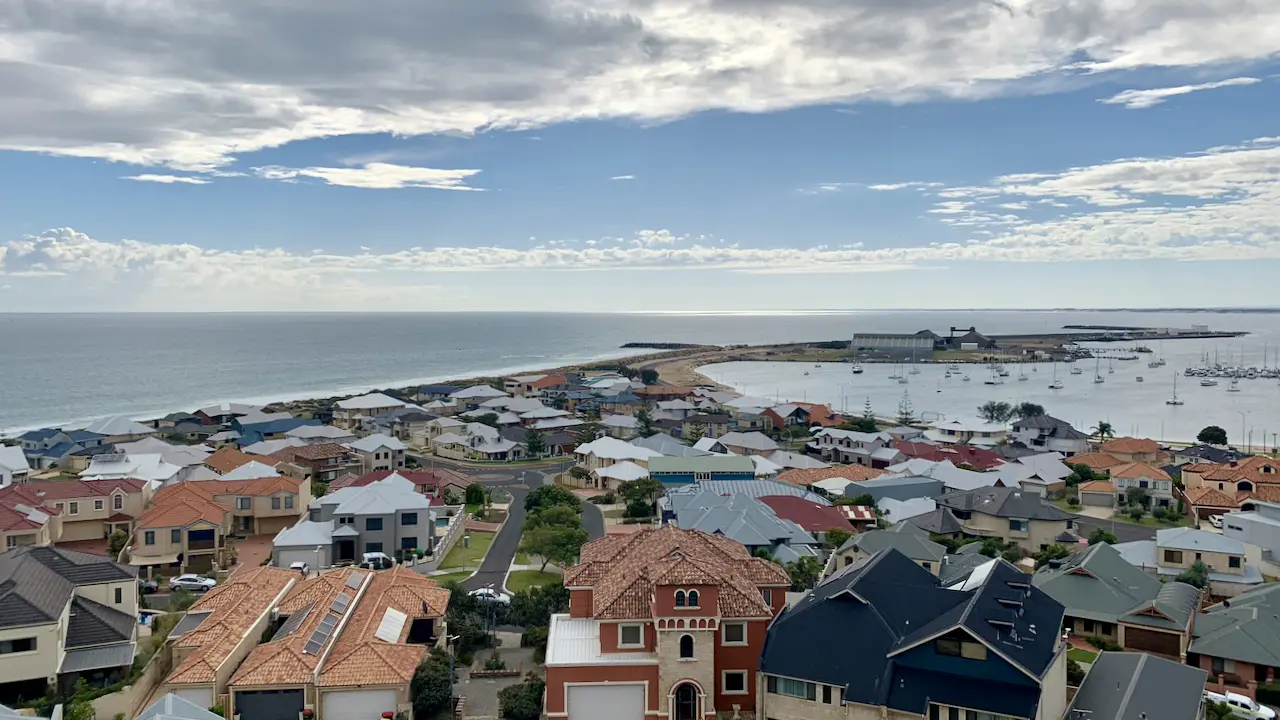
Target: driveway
1124,532
251,551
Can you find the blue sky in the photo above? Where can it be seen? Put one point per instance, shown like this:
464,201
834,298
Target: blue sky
655,155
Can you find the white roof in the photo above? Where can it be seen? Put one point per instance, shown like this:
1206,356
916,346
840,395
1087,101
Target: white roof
439,405
835,485
749,402
615,449
706,443
225,435
180,455
118,425
147,466
623,471
576,641
257,416
316,432
750,440
227,408
445,422
543,413
250,471
899,510
503,418
626,422
266,447
556,423
12,459
953,477
676,405
854,436
375,441
1043,469
475,392
305,534
371,401
765,467
789,459
514,404
377,498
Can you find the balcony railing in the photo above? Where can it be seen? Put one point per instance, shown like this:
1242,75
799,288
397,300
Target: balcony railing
194,545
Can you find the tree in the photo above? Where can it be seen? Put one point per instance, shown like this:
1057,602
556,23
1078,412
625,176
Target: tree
475,494
1213,435
1075,673
804,573
866,499
836,537
697,431
638,509
577,472
649,376
1101,536
1011,554
1137,496
992,547
906,414
431,687
860,425
1136,513
1027,410
586,433
523,701
1080,474
554,543
1196,576
645,490
534,444
995,412
554,515
1053,552
534,606
867,414
490,419
450,497
546,495
117,542
1103,430
78,710
644,424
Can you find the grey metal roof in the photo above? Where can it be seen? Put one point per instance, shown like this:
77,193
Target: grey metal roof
956,568
37,582
1097,584
1138,686
1056,428
98,658
1004,502
939,522
740,518
93,623
1245,628
707,463
750,488
172,707
1170,609
909,544
897,487
1198,541
668,446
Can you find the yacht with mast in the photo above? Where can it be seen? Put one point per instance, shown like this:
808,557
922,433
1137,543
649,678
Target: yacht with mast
1175,400
1097,372
1056,384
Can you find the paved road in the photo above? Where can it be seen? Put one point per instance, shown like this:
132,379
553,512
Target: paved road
503,550
592,520
1124,532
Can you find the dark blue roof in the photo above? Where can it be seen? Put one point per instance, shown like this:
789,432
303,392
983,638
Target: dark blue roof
41,434
623,398
83,435
914,688
276,426
59,450
1211,454
438,389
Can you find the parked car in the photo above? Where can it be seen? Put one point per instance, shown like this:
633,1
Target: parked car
1242,706
378,561
487,595
301,567
193,582
1216,521
146,587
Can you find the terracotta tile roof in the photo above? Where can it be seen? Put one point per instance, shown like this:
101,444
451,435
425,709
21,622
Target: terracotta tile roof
977,458
180,507
225,459
1135,470
1098,486
1130,445
807,477
235,606
549,381
623,571
422,479
11,520
321,451
1095,461
46,491
808,515
1265,493
211,489
1209,497
1257,469
359,657
819,414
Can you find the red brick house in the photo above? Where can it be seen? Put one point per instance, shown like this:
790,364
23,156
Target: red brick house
661,623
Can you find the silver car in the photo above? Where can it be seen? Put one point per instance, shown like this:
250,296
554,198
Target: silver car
192,582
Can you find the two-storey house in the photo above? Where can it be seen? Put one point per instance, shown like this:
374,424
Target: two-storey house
321,462
1012,515
662,623
346,413
964,431
379,452
1131,449
87,509
851,447
1175,550
1156,482
1045,433
14,467
884,638
1233,641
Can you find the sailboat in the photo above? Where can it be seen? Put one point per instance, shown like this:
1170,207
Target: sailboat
1022,376
1111,366
1175,400
994,379
965,378
1097,373
857,368
914,370
1056,384
1234,385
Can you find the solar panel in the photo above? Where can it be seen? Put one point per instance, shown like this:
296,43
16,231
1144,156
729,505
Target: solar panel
291,625
328,623
391,626
340,603
355,579
312,647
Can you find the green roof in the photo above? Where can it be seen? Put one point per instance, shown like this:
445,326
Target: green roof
705,463
1097,584
1248,629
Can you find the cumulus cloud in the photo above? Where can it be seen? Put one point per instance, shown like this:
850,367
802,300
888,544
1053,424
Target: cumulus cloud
168,179
1143,99
192,85
375,176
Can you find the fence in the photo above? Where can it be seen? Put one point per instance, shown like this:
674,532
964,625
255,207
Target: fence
457,526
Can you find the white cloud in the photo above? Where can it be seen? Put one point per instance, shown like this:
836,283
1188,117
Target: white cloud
1143,99
168,179
375,176
623,177
192,85
913,185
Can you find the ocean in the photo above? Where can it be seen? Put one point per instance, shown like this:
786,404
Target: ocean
60,369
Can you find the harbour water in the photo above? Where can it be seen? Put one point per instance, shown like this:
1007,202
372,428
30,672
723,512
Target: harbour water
56,369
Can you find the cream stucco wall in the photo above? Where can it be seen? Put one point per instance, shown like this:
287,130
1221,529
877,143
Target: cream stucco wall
1053,689
105,593
701,669
1039,532
42,663
1217,562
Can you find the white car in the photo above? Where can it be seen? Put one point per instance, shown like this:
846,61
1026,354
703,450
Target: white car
487,595
1242,706
301,567
196,583
1216,521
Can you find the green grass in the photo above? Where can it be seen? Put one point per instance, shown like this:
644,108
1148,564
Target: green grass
451,577
525,579
468,557
522,558
614,513
472,508
1081,656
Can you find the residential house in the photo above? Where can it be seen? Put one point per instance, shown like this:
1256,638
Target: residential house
788,460
554,444
345,647
684,470
664,444
848,446
605,451
52,448
533,385
78,461
119,429
1175,550
884,637
962,456
220,630
174,419
225,459
277,429
906,539
952,477
14,467
1049,434
1259,526
895,487
676,410
1233,477
964,431
899,511
347,412
87,509
1156,482
267,447
431,393
1044,474
408,424
1130,449
811,477
743,519
662,623
23,525
712,425
612,477
320,434
740,443
119,465
1130,685
223,413
1098,462
469,398
1012,515
172,707
188,458
1097,493
815,517
379,452
322,462
476,441
939,521
658,393
801,414
1203,454
624,403
64,616
1238,641
383,516
622,427
1107,597
434,483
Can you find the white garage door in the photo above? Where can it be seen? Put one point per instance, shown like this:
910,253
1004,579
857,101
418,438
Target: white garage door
357,704
201,697
285,557
605,702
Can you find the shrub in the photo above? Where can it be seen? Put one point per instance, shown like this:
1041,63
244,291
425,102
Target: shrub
639,509
1073,501
1103,644
1075,673
1136,513
475,495
523,701
216,710
1269,693
495,661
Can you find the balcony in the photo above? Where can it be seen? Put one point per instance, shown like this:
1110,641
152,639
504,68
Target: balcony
201,545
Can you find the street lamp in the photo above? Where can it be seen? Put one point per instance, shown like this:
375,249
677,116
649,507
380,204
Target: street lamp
448,641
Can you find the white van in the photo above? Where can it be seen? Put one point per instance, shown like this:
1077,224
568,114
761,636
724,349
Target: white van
1242,706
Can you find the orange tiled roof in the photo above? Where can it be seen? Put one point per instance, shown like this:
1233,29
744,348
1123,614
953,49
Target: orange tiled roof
855,473
211,489
820,414
11,520
225,459
623,570
1136,470
1265,493
235,607
181,506
1209,497
1098,486
549,381
1257,469
320,451
1095,461
1130,445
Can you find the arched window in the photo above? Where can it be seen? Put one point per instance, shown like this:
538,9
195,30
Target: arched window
1244,486
679,598
686,647
693,598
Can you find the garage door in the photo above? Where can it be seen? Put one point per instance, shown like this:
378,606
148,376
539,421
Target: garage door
269,704
606,702
285,557
200,697
357,704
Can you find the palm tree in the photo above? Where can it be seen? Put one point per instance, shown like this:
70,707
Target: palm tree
1103,430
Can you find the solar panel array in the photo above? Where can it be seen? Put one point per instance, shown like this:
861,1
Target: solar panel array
330,622
294,622
355,579
341,603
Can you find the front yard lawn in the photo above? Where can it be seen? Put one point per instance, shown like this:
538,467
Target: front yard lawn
450,577
525,579
468,557
1081,656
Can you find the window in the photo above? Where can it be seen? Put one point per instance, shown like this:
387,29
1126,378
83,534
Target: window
792,688
373,524
679,598
346,520
288,502
409,543
927,566
735,633
1018,525
1088,626
11,542
98,505
117,502
119,596
955,647
409,519
826,694
693,598
244,503
1233,562
686,647
74,508
276,503
175,537
630,636
1143,484
149,538
58,506
734,682
1173,556
19,645
372,547
767,593
702,476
